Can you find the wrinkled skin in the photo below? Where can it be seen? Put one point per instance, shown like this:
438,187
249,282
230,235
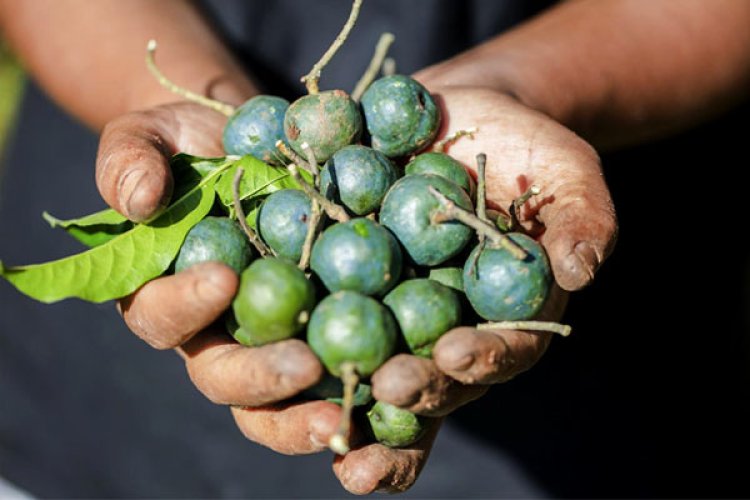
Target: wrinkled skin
523,147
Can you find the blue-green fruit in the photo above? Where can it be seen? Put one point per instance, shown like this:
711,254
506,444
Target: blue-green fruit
504,288
283,221
395,427
400,114
358,178
424,310
327,122
218,239
273,302
348,327
359,255
450,276
443,165
407,210
255,127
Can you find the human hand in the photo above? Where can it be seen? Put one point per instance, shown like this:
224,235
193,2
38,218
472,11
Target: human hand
133,176
574,220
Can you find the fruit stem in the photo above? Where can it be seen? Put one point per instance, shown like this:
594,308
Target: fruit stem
312,162
339,442
292,156
389,66
452,212
482,187
540,326
313,77
481,208
221,107
315,212
263,250
381,50
440,145
334,211
515,207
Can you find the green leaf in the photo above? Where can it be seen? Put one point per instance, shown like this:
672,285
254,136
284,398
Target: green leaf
188,170
118,267
100,227
92,230
251,209
258,179
182,162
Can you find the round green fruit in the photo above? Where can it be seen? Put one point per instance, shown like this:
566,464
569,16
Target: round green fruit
348,327
255,127
359,255
502,287
217,239
408,209
358,178
424,310
400,114
395,427
443,165
327,122
273,302
283,220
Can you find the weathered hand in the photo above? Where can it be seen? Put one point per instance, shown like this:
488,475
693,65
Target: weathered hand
133,176
574,220
523,147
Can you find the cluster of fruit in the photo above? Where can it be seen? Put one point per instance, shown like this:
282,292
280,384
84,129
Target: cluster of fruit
346,232
368,255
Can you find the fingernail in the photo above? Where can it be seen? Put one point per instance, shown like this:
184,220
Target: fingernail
581,265
140,190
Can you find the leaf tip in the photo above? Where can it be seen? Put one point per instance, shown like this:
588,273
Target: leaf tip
51,220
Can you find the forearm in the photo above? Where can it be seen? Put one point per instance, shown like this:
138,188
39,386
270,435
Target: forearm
89,55
618,71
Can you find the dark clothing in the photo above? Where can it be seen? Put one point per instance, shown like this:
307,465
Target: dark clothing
628,406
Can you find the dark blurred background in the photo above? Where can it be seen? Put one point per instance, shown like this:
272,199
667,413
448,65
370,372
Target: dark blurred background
647,398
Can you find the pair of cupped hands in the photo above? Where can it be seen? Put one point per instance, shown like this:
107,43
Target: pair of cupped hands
573,217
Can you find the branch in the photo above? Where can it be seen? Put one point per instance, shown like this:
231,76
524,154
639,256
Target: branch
515,207
313,77
440,145
263,250
538,326
315,211
381,50
450,211
334,211
221,107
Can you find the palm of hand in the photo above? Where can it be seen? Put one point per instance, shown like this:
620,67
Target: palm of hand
525,147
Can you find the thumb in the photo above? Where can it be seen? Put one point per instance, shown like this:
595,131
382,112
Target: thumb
581,230
132,165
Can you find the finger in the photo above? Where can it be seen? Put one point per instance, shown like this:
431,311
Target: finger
416,384
376,467
474,356
581,230
132,164
167,311
229,373
291,428
488,356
